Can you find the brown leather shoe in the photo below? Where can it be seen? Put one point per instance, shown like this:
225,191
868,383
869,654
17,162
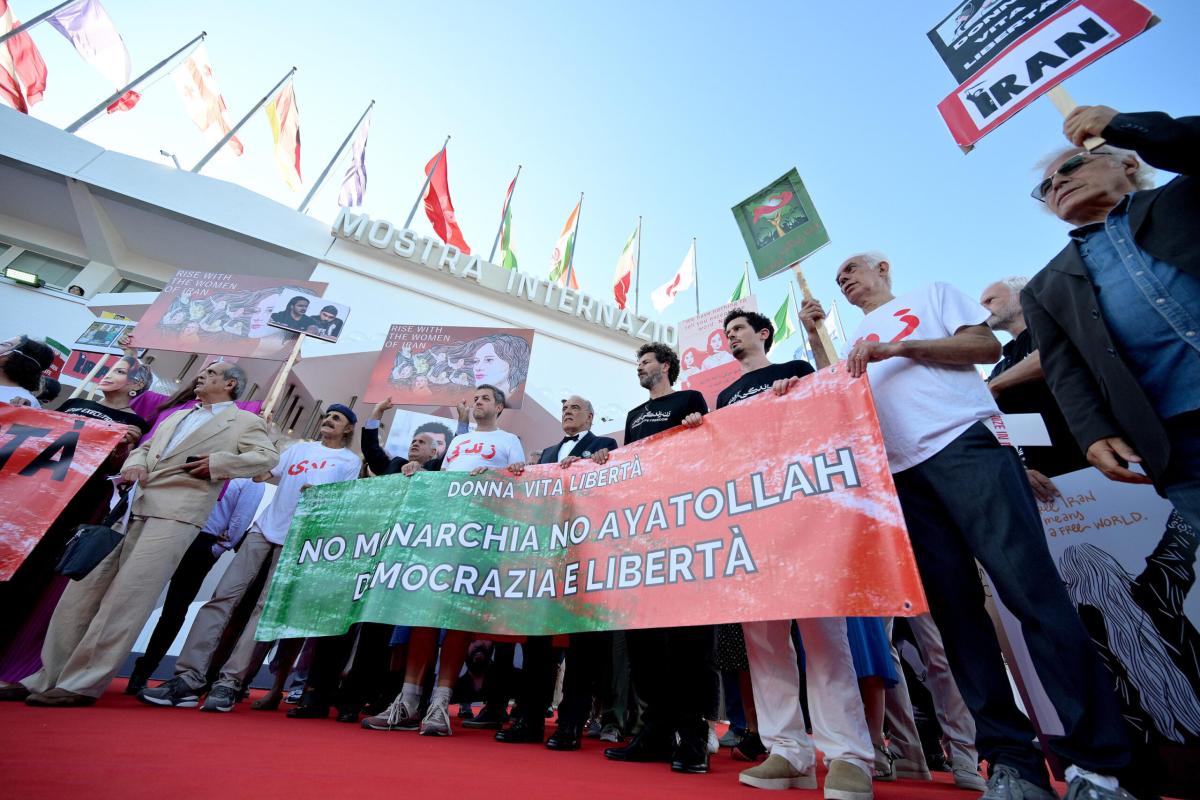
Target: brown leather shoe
13,692
58,698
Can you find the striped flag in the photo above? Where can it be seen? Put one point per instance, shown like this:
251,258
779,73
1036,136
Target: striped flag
627,266
784,329
284,115
685,276
354,185
88,27
562,271
508,259
202,98
22,71
742,290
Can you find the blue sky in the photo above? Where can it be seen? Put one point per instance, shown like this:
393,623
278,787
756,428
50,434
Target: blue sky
672,111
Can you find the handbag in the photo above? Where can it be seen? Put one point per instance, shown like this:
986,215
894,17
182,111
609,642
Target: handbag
91,544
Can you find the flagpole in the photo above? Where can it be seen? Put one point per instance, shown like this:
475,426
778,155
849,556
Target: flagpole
324,173
795,305
574,245
42,17
503,213
424,186
232,131
696,274
637,276
89,116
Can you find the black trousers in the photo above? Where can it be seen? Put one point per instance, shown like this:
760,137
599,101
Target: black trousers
185,584
325,684
673,673
972,501
589,675
535,683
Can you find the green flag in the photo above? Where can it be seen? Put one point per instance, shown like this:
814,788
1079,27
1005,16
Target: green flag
783,320
743,288
508,259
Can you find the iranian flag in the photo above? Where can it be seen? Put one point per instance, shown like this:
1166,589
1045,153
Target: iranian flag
627,265
562,271
284,115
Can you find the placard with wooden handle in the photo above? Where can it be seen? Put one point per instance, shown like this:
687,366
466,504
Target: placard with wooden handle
823,340
1066,104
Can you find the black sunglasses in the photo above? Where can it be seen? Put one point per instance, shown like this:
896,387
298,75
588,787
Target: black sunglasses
1066,168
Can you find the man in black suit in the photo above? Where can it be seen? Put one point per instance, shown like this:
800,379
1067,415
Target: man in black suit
1116,314
589,658
426,450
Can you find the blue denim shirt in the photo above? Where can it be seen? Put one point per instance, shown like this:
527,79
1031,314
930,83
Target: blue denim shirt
1152,311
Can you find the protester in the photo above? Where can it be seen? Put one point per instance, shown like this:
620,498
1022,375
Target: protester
487,447
427,448
1116,314
300,467
221,532
589,655
966,497
22,361
672,667
49,392
838,720
179,474
155,408
1019,386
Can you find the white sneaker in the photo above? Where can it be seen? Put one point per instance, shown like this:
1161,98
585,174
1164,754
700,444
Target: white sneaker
778,773
437,719
967,778
714,744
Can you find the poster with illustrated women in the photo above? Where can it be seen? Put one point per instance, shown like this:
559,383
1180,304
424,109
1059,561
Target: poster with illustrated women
438,365
222,314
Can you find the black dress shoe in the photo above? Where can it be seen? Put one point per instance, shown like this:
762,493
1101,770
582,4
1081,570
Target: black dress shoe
519,731
565,737
137,682
347,716
309,711
488,717
690,756
644,747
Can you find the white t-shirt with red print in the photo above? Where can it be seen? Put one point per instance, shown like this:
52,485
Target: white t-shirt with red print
923,407
304,463
489,449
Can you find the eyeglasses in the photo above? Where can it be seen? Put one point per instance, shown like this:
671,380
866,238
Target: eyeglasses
1066,168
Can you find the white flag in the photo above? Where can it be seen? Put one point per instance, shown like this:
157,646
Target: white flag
664,295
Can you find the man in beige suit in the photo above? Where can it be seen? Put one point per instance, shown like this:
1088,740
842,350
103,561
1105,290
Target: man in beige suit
179,473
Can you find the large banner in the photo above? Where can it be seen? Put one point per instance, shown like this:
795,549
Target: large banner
438,365
1017,63
45,457
222,314
705,363
688,527
780,225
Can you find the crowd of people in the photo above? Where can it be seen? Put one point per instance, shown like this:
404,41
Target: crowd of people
1105,347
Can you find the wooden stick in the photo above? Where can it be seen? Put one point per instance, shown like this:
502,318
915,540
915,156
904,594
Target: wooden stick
281,379
1066,104
823,342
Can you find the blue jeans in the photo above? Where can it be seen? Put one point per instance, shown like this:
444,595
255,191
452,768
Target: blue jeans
1181,482
972,501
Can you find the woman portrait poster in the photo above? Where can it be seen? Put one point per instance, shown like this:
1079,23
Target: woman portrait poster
223,314
435,365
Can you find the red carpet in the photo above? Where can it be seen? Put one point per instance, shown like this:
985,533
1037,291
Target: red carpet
122,749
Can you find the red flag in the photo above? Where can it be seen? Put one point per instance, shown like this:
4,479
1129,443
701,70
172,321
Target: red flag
438,206
22,70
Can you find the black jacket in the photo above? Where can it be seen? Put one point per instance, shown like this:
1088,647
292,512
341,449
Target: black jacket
1097,392
380,463
588,443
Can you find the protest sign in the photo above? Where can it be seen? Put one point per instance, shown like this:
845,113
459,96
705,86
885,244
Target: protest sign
1036,58
438,365
404,427
102,336
805,523
308,314
977,30
780,225
705,363
1128,562
228,315
79,365
45,457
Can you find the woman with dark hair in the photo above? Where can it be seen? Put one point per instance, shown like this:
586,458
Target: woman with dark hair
22,361
500,360
294,315
30,596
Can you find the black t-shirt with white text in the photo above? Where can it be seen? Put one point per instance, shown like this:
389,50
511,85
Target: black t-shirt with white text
760,380
663,413
90,408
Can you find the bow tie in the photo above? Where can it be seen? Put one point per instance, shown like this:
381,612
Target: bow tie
566,439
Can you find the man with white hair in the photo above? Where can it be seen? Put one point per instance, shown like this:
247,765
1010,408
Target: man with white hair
1116,314
1019,386
965,497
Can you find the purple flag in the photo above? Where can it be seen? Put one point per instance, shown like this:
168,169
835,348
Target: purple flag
88,27
354,185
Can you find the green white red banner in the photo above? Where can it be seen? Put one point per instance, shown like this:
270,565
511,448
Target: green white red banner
774,508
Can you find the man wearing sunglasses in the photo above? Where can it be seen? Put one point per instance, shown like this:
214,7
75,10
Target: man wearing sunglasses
1116,314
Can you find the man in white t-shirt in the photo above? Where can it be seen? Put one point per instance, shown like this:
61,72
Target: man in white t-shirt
302,465
486,447
966,497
